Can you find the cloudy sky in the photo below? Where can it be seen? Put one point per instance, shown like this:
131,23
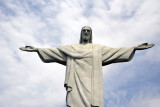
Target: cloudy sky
25,81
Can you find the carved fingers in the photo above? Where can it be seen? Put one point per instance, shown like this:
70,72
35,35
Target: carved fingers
28,49
144,46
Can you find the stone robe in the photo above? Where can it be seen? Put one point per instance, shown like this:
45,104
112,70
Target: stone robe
84,80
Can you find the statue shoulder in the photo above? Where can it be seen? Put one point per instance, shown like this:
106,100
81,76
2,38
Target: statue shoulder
99,45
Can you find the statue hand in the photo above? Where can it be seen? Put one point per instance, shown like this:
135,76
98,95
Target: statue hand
28,49
144,46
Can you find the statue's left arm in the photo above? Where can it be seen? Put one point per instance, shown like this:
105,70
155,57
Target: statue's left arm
115,55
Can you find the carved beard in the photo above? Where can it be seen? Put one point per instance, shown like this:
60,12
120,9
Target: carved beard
86,38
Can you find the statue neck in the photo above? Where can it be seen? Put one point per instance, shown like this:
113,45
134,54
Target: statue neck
85,41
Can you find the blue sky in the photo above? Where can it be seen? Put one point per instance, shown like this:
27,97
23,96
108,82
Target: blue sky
28,82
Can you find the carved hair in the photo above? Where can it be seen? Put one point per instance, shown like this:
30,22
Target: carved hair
90,40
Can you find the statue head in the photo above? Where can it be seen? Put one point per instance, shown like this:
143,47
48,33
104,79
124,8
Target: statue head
86,35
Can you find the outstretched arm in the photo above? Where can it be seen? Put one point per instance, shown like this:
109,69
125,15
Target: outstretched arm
114,55
47,54
143,46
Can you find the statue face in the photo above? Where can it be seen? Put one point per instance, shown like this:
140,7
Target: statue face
86,33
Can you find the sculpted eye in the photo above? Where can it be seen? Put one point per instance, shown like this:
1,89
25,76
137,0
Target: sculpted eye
88,30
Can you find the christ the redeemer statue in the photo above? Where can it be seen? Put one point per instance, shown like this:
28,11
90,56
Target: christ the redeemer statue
84,61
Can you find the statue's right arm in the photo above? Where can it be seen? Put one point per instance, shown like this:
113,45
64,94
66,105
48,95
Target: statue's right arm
47,54
29,49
